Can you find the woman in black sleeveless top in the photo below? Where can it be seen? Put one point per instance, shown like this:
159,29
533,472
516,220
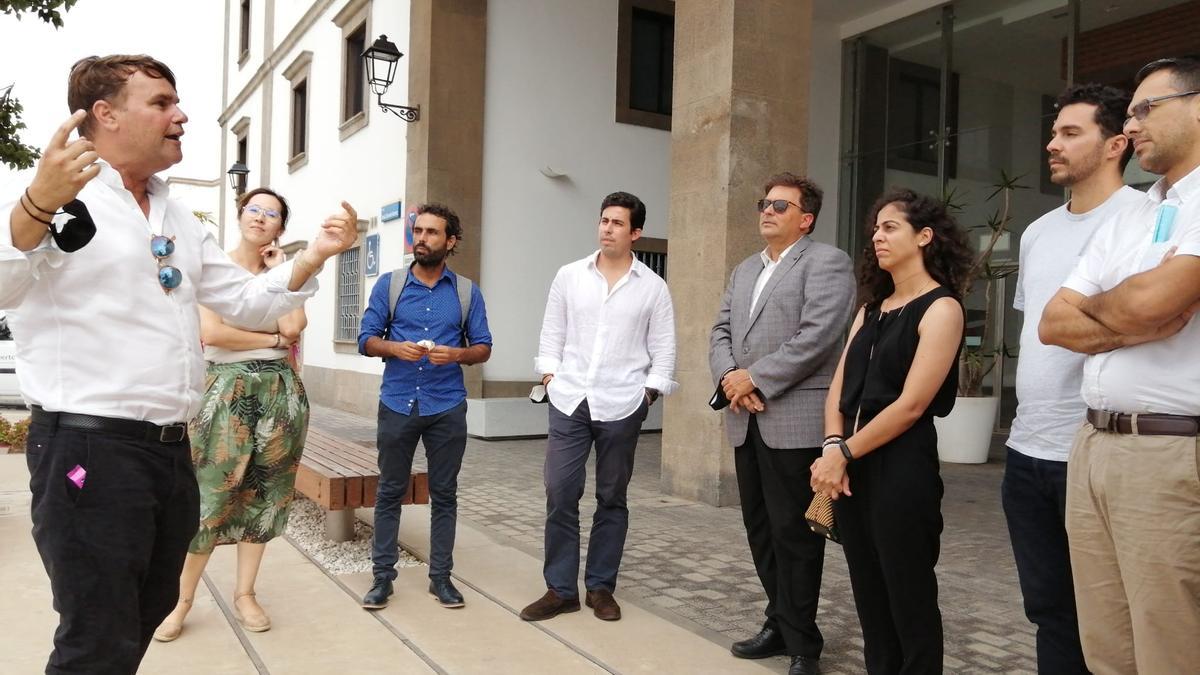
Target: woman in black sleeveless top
897,373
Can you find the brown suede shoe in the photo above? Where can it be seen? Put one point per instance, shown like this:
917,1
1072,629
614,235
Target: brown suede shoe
549,606
603,605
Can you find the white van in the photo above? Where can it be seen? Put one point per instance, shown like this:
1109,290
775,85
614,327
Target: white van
10,389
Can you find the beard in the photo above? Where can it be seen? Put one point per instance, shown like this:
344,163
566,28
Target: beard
430,257
1080,170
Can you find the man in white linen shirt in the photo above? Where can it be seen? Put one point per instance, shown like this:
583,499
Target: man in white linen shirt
607,351
1133,496
104,275
1087,152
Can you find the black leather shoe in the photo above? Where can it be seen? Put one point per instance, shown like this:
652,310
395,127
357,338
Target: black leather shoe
804,665
377,597
445,592
768,642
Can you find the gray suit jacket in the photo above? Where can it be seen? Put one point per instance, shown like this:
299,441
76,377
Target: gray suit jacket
791,342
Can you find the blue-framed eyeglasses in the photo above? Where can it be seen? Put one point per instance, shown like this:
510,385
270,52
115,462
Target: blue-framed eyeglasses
168,277
269,214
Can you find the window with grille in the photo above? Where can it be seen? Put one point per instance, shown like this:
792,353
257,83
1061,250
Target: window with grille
349,289
652,252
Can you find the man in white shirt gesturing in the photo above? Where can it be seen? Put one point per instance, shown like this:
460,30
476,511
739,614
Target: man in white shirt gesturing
1133,494
103,275
607,352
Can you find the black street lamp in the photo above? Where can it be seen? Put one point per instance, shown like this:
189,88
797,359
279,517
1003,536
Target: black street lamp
237,177
380,60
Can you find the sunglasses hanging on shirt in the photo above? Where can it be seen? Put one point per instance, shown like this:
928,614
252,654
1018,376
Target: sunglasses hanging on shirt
73,228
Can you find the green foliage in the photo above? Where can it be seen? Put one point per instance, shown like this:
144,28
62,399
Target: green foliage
5,427
205,217
13,152
46,10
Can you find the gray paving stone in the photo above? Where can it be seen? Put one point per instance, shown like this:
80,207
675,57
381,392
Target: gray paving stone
670,539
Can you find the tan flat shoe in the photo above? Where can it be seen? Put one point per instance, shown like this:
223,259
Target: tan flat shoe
169,630
255,623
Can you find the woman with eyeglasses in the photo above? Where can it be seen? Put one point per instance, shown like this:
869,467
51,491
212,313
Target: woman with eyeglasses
249,433
879,460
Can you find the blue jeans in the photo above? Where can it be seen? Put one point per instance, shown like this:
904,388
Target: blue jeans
445,438
1034,493
567,449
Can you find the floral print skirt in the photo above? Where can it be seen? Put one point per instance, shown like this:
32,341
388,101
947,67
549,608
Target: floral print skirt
246,445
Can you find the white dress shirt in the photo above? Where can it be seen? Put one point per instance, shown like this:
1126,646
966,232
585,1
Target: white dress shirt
94,331
1154,377
606,346
765,275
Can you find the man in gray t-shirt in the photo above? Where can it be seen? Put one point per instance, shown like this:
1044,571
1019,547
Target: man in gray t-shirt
1087,154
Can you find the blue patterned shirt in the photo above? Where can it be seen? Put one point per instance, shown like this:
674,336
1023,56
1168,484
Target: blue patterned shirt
423,313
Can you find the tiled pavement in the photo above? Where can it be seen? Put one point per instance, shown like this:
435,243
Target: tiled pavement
691,560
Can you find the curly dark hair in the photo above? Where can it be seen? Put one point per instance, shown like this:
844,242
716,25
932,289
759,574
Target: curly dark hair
1111,104
284,211
948,257
453,224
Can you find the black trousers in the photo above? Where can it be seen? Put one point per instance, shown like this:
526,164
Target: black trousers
789,557
891,530
1034,494
114,548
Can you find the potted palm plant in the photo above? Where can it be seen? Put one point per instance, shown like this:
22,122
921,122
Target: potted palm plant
965,435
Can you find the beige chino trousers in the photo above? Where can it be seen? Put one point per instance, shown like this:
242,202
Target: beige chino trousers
1133,522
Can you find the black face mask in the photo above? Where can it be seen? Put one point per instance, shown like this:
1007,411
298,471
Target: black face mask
76,232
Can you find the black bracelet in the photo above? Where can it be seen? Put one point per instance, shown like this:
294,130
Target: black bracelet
34,204
43,221
845,451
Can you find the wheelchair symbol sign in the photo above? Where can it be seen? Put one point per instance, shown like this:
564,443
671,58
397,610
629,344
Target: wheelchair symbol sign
372,255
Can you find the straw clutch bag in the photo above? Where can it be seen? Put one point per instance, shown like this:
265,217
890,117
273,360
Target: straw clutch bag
820,517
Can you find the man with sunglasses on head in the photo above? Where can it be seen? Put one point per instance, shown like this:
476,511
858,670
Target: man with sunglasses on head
104,275
606,353
772,352
1133,497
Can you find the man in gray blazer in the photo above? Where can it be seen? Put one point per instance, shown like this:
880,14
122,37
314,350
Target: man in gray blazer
772,352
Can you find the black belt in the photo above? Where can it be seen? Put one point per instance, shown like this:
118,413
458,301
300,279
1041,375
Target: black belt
145,431
1146,424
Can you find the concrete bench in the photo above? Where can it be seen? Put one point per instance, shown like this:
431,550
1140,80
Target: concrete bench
342,476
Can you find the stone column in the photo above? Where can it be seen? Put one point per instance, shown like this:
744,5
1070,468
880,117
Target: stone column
447,46
740,114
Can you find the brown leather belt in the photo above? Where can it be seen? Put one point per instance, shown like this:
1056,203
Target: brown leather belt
1145,424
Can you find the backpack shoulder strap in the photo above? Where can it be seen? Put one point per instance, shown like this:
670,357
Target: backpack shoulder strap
394,289
464,302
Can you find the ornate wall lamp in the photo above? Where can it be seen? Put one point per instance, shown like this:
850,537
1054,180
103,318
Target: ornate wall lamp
380,60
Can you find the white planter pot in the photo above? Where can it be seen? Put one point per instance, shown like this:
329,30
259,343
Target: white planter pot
965,435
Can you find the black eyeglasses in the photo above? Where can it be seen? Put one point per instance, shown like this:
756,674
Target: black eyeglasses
1141,109
168,277
779,205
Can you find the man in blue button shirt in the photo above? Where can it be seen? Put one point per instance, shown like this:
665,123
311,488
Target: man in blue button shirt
423,340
